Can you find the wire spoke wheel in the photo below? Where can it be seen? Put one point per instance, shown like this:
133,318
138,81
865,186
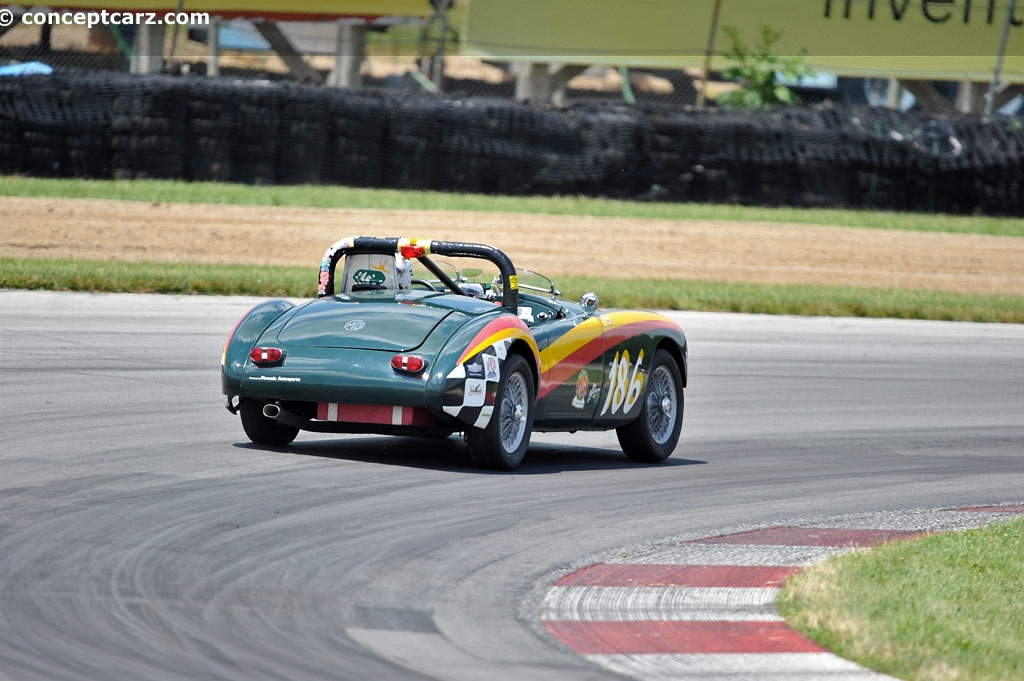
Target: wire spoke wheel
502,443
653,435
662,405
514,410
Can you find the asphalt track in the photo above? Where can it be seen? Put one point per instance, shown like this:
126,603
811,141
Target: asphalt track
141,537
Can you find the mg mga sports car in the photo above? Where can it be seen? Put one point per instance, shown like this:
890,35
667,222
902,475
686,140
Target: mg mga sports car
402,340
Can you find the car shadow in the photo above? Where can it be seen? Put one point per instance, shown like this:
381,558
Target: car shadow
452,454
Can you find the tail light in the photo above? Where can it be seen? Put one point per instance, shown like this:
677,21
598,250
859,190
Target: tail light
266,357
408,364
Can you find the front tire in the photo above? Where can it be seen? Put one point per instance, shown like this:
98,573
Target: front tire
262,430
653,436
503,443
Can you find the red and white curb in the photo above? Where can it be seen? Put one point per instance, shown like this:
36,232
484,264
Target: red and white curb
705,608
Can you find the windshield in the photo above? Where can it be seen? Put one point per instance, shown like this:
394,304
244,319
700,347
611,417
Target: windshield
479,278
474,276
535,282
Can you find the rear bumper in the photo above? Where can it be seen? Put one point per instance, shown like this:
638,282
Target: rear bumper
361,418
388,415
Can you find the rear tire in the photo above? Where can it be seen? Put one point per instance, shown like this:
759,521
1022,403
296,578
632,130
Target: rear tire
653,436
260,429
503,443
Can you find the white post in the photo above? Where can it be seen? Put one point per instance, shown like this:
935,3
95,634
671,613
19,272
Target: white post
350,52
148,51
213,42
997,71
544,82
894,93
709,53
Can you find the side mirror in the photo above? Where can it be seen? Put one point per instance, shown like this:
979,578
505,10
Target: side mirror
589,302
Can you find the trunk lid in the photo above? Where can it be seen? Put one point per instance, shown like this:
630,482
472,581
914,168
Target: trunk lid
383,324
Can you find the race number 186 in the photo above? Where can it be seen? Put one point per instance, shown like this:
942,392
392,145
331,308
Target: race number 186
624,386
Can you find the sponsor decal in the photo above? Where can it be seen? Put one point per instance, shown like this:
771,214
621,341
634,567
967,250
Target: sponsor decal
470,389
371,277
582,383
355,325
625,384
276,379
476,392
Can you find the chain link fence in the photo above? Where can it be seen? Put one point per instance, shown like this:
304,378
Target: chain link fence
626,134
122,126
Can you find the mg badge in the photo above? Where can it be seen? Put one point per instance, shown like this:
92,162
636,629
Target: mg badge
355,325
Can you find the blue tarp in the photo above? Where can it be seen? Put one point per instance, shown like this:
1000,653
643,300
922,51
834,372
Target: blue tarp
32,68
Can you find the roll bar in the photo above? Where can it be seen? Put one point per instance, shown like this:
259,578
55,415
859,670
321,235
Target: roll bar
421,249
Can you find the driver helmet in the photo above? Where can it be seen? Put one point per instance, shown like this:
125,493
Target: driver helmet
403,273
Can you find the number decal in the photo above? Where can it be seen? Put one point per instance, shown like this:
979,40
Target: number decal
624,387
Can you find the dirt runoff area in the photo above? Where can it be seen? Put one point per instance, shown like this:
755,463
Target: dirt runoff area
621,248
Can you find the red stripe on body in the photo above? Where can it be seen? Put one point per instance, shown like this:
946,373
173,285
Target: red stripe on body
812,536
680,638
567,368
614,575
618,334
490,329
585,354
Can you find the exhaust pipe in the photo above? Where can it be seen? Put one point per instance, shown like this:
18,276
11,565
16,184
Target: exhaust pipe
275,412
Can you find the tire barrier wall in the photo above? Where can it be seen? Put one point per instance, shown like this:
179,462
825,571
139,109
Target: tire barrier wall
104,125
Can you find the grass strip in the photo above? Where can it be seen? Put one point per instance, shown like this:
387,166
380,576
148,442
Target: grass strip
123,277
947,607
350,197
300,282
823,301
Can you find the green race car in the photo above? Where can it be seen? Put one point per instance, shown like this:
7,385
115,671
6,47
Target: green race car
406,338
